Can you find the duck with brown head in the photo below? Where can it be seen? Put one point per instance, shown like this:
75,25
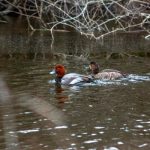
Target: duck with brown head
106,74
70,78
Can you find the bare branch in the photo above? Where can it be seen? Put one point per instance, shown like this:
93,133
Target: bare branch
95,18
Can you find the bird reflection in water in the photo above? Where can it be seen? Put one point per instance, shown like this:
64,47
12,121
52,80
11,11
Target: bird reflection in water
60,95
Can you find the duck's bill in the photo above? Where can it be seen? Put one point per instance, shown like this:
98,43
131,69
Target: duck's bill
86,67
52,72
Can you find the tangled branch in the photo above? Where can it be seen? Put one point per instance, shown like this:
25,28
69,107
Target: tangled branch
94,18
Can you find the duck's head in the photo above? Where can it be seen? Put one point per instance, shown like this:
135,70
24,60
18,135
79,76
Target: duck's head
94,67
59,70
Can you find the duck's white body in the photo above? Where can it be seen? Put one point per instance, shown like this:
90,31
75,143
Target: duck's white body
72,79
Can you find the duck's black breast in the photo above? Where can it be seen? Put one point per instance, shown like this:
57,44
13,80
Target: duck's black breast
58,80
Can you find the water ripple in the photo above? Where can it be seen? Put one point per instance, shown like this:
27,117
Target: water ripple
143,145
29,131
61,127
111,148
98,127
92,141
132,78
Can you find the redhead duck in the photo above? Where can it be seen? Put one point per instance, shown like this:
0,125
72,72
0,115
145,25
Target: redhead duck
106,74
70,78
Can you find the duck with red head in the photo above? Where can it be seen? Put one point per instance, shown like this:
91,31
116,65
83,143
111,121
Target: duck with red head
106,74
70,78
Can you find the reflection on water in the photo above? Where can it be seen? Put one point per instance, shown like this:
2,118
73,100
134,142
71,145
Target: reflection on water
114,116
22,44
59,96
36,114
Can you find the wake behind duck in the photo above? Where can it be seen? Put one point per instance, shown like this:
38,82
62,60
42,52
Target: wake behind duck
105,77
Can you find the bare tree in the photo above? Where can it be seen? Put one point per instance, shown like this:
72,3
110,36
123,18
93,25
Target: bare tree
93,18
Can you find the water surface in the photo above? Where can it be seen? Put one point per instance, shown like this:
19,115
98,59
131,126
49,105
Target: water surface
35,114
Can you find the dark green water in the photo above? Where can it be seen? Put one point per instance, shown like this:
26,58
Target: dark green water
34,114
